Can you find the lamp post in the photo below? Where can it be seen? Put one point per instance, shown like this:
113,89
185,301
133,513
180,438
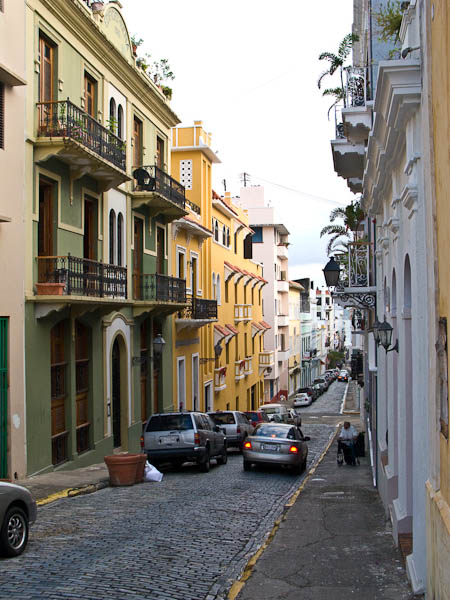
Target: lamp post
331,272
385,336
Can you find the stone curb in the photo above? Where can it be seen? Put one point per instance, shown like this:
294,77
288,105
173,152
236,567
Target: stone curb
72,492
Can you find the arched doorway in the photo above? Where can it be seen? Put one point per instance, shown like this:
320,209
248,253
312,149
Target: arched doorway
116,396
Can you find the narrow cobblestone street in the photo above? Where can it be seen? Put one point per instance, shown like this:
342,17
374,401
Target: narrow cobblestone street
187,538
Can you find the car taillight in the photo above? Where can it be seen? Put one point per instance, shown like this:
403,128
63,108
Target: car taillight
248,445
293,449
238,430
142,441
196,438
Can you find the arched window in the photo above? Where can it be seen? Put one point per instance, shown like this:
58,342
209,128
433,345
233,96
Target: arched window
120,122
112,236
214,288
119,239
112,115
224,235
216,231
218,290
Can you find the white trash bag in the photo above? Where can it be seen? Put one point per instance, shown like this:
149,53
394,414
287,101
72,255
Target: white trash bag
151,473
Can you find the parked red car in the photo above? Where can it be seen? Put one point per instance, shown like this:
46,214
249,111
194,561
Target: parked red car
257,416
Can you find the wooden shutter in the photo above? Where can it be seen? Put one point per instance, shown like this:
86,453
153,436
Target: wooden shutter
89,95
137,142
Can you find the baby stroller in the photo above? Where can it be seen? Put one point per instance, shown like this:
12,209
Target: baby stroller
347,452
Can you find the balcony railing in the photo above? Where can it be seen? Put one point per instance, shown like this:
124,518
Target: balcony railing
239,369
248,369
357,86
242,312
64,119
220,379
82,276
198,308
159,288
193,206
266,359
153,179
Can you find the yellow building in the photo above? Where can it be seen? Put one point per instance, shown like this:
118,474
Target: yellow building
438,485
218,337
238,281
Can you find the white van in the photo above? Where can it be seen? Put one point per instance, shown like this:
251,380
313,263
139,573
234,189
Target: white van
276,412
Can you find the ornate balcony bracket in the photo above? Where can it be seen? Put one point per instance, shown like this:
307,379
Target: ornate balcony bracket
361,298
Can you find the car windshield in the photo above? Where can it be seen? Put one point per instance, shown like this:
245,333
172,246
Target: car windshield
170,423
272,431
252,415
223,418
271,410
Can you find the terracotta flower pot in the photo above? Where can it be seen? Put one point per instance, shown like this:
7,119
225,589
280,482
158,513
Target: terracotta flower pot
50,289
125,469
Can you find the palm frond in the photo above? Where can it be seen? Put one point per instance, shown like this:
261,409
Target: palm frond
346,45
334,229
328,56
337,213
319,81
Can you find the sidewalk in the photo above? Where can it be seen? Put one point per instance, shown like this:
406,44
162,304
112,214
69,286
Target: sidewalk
59,484
333,543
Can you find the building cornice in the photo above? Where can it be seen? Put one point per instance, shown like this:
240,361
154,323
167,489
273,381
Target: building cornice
398,98
87,31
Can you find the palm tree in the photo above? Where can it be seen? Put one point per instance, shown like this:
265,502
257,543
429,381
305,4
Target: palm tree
337,64
352,215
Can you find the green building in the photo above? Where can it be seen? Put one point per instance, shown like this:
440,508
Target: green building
99,203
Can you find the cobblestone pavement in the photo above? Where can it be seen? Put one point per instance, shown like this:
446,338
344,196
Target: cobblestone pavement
186,538
329,402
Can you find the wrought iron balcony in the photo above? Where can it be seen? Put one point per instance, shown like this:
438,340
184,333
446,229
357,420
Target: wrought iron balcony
199,309
153,179
63,119
70,275
156,287
356,282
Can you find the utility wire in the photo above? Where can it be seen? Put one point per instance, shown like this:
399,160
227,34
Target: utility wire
285,187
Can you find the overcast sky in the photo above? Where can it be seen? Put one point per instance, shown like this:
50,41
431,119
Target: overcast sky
248,69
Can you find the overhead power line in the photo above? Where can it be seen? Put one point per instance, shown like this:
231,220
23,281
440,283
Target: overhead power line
300,192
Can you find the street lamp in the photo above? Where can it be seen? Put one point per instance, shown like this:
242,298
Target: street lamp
376,331
331,272
385,336
158,346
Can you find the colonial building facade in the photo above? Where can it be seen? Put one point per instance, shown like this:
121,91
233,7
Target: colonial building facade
99,204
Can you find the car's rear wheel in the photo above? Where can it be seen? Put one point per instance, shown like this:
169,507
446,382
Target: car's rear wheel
222,459
205,465
247,465
14,532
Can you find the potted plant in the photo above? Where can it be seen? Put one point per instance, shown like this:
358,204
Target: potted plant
50,289
135,43
97,6
125,469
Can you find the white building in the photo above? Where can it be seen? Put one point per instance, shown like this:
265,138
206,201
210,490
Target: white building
270,247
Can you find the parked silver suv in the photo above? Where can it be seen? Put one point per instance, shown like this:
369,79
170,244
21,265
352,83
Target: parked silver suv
237,426
184,437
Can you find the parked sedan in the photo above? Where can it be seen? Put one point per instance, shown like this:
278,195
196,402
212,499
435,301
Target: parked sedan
17,513
323,383
302,400
276,444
